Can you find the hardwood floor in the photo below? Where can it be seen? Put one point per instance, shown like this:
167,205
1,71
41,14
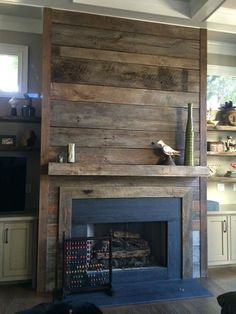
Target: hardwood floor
222,279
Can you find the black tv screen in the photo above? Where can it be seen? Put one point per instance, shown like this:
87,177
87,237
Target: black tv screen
12,184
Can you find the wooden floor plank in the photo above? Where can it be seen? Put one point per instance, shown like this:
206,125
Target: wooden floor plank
14,298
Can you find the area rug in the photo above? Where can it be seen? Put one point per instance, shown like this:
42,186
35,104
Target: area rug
144,292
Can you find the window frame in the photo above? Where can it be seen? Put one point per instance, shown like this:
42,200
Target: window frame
22,53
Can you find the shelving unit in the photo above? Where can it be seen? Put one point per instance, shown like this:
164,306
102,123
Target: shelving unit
221,128
20,119
222,179
221,224
18,232
230,154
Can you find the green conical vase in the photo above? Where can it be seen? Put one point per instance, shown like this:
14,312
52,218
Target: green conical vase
189,138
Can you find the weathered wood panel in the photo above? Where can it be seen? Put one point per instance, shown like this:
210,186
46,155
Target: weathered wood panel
108,94
117,85
113,116
111,138
124,75
115,156
75,36
75,169
44,179
132,26
108,155
124,57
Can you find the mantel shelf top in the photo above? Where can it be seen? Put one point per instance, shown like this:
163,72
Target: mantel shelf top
77,169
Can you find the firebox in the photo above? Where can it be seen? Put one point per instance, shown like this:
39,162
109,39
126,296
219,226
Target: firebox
146,233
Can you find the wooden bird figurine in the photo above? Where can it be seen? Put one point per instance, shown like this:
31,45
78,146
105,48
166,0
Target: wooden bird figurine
166,149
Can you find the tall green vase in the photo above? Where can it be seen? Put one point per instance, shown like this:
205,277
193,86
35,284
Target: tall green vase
189,138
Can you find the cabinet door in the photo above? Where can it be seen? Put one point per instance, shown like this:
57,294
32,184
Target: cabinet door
233,237
17,250
217,239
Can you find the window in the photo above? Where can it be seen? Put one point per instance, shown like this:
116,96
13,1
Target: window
221,86
14,70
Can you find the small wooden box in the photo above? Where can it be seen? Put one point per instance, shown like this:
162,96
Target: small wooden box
216,146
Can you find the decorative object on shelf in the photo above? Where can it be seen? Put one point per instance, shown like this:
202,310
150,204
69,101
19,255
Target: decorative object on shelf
165,152
211,118
60,158
230,144
13,102
189,138
213,205
231,174
228,105
28,110
212,123
216,146
71,152
230,117
228,113
7,140
28,139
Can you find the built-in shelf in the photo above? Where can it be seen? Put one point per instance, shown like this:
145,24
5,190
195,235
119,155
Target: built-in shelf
18,149
20,119
221,128
77,169
222,179
230,154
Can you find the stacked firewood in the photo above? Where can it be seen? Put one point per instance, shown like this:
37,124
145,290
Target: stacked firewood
128,250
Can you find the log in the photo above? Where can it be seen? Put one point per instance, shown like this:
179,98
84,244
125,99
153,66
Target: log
125,234
124,254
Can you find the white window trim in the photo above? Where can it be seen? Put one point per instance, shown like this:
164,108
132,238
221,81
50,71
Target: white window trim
220,70
22,53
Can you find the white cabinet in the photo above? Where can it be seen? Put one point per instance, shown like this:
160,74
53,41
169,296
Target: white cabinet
233,237
16,245
221,239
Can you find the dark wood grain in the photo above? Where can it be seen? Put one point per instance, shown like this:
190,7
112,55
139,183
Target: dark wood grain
124,57
113,116
108,94
44,180
76,36
124,75
112,138
132,26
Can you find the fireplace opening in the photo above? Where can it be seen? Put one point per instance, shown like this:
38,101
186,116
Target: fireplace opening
146,233
133,244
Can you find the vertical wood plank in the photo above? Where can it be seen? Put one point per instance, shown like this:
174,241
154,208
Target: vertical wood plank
45,131
203,156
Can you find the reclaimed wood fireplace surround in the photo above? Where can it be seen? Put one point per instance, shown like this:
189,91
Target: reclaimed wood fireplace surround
113,86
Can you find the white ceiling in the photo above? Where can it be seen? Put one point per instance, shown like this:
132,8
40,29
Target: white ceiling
215,15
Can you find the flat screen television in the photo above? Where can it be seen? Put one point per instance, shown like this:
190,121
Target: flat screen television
12,184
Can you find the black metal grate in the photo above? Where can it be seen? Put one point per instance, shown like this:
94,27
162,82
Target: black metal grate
84,270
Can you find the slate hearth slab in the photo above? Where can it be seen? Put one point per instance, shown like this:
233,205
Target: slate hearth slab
144,292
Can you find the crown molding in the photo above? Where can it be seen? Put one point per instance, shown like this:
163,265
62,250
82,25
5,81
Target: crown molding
20,24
